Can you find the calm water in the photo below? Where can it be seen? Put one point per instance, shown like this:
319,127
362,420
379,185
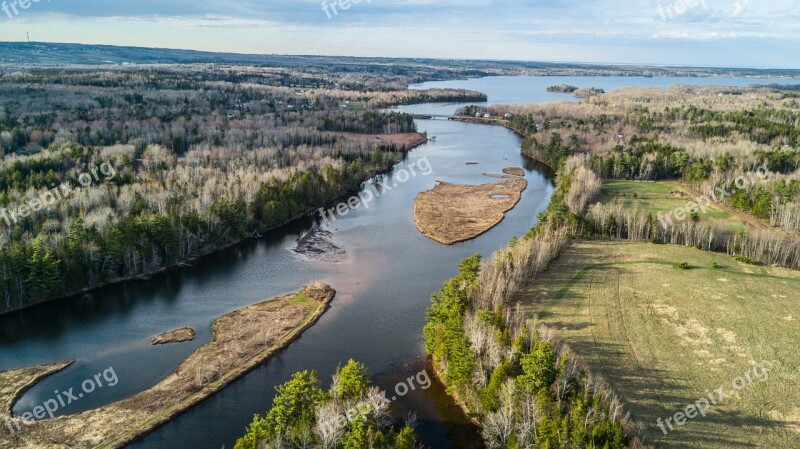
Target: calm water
383,288
533,89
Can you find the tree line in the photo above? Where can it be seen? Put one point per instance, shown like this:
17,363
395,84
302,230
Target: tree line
525,390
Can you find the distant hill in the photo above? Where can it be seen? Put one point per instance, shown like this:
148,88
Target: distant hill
61,54
44,53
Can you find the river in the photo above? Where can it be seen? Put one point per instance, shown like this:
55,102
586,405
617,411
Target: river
383,286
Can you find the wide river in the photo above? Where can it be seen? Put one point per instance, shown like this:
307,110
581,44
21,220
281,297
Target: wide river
383,286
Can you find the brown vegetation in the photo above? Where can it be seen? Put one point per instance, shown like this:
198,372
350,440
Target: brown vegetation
452,213
176,336
588,92
242,340
514,171
605,118
584,186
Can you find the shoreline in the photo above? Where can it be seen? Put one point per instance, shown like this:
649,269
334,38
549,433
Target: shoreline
505,124
183,263
434,207
200,376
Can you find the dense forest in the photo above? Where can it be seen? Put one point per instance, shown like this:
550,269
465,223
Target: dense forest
112,174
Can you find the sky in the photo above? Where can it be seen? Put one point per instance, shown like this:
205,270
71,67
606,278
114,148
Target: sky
725,33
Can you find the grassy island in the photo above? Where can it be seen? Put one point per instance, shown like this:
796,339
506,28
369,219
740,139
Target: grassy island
452,213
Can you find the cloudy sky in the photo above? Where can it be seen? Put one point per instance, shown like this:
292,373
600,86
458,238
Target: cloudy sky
737,33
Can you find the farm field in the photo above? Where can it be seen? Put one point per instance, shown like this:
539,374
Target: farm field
666,197
663,337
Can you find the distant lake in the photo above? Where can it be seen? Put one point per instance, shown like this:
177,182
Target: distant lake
533,89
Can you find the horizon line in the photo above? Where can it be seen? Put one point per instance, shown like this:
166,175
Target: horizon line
485,60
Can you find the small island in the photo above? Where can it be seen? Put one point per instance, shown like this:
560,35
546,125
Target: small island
514,171
587,93
176,336
452,213
563,89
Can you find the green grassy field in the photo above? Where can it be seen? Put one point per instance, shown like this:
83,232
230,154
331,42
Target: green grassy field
665,197
664,337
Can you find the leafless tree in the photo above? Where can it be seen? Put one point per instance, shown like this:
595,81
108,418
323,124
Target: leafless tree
329,426
499,426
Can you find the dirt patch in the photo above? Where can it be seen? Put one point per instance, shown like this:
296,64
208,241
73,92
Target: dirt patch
514,171
242,341
176,336
452,213
317,244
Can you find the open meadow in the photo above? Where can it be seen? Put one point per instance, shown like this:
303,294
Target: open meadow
665,198
666,326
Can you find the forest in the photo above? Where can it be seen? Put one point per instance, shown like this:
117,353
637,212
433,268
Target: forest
202,157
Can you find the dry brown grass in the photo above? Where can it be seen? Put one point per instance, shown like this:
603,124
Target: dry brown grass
176,336
452,213
242,340
514,171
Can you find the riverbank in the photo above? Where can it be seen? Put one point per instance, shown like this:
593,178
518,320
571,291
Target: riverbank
496,287
408,140
628,275
242,341
453,213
